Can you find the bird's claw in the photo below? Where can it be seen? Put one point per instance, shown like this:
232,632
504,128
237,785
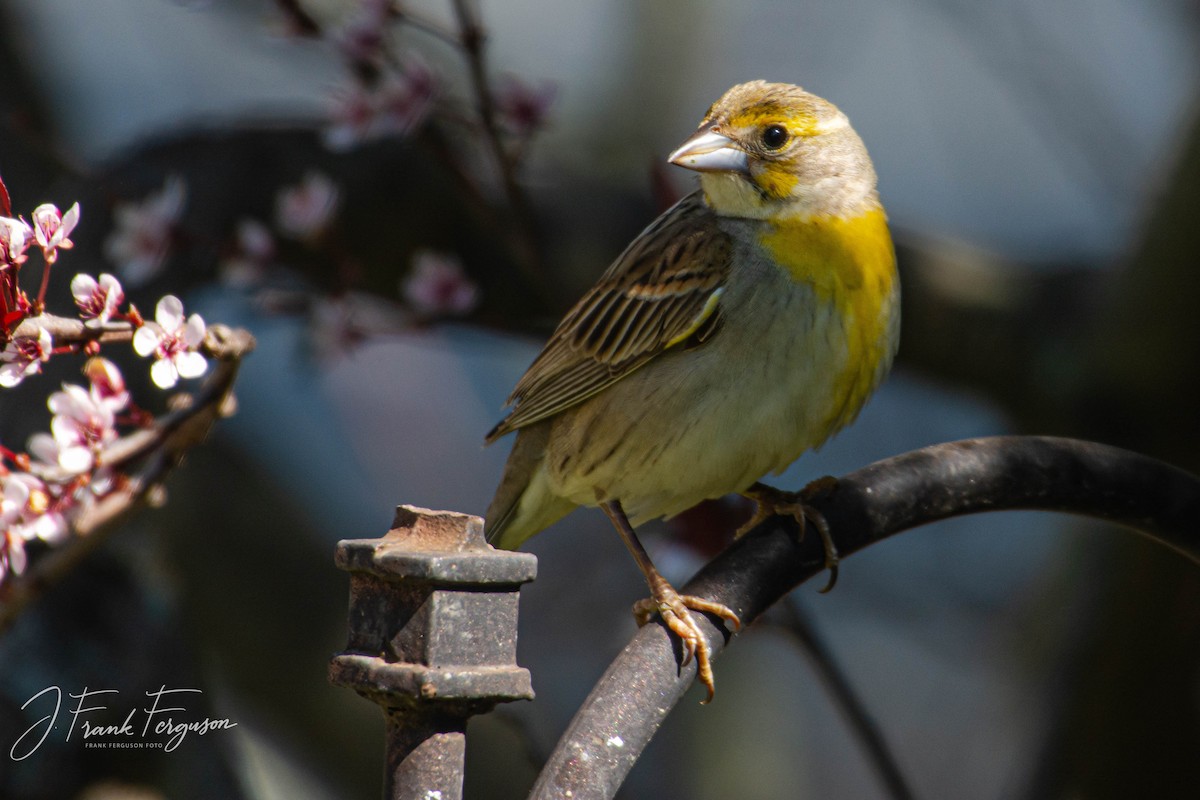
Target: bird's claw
674,610
770,502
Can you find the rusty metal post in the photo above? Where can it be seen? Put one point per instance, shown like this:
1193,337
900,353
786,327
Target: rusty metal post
433,641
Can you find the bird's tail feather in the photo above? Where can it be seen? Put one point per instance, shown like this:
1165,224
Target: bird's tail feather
524,503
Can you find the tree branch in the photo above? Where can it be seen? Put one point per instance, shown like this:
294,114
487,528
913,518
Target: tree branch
634,695
158,449
523,237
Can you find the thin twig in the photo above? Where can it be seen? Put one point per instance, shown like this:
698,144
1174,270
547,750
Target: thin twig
524,238
797,625
421,23
302,22
68,330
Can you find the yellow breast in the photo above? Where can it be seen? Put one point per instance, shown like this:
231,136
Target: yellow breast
851,264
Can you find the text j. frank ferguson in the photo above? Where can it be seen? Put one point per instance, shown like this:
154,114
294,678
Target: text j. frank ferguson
160,724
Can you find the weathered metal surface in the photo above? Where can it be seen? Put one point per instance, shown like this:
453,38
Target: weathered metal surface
433,640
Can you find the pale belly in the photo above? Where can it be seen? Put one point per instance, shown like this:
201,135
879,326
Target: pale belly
703,423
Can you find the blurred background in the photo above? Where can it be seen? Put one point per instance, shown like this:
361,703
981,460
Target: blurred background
319,172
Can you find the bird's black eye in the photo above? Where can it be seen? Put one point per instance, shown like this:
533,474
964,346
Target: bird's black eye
774,137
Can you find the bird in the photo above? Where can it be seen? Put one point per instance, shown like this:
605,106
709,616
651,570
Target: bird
743,327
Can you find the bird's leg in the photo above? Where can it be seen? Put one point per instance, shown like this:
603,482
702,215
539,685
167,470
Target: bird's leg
770,501
672,606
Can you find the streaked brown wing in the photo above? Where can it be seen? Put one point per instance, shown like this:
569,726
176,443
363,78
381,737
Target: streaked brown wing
662,292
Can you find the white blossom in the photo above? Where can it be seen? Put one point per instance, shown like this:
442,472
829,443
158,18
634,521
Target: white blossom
304,210
142,237
15,237
81,426
438,286
107,384
27,510
52,228
173,341
23,356
97,300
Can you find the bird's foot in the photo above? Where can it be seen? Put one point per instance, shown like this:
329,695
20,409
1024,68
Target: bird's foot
674,610
770,502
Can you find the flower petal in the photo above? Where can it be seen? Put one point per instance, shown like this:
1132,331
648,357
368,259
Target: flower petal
50,527
169,313
193,331
145,340
42,447
75,460
16,555
190,365
164,374
82,287
11,374
16,492
70,220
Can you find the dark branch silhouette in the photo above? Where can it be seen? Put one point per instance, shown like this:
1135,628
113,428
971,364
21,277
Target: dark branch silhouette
640,687
860,720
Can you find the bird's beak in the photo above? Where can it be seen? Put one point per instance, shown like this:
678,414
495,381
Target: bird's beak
709,151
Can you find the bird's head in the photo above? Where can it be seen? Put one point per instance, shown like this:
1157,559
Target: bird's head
771,150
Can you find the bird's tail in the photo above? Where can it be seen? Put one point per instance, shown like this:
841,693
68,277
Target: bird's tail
524,503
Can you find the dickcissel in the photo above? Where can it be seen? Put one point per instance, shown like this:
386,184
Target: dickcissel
744,326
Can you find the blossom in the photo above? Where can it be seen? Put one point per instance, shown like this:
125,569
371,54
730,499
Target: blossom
27,511
142,237
362,38
304,210
522,108
15,236
52,228
173,340
12,553
405,100
23,356
255,251
97,300
438,286
107,383
351,117
396,106
82,425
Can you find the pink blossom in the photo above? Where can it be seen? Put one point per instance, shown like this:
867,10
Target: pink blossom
397,106
27,511
97,300
404,101
351,117
15,237
173,341
107,384
53,227
142,237
522,107
304,210
255,252
362,38
12,553
80,427
438,286
23,356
